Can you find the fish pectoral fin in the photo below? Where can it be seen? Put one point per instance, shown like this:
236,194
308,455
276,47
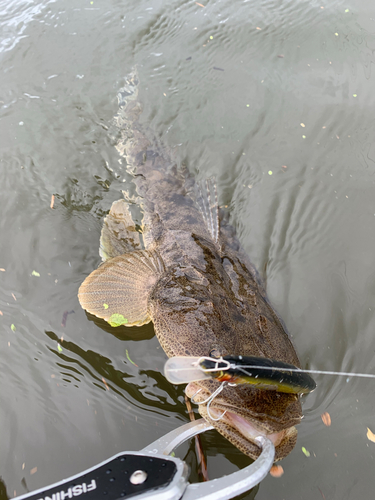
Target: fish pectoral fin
118,290
118,235
206,197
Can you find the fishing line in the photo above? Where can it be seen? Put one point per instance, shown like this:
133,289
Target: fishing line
301,370
270,368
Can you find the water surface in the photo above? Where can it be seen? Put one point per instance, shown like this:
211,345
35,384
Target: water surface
274,98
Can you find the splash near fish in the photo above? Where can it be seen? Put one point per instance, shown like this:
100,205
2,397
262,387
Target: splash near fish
186,272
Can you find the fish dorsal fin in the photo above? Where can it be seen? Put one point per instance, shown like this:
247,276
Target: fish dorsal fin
118,290
119,235
207,203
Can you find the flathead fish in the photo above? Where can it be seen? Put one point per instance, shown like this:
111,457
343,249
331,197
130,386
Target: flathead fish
186,272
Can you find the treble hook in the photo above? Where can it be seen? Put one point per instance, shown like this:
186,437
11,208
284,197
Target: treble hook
209,401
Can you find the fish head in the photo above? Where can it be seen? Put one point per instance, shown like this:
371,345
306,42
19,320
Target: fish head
198,322
241,413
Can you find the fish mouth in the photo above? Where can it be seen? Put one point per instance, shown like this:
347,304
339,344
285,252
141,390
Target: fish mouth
248,429
242,430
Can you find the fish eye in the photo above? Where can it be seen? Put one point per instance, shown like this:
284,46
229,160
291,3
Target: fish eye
215,353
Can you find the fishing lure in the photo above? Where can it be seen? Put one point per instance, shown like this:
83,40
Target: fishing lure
262,373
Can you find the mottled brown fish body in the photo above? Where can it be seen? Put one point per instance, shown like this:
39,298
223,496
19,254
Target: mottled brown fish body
195,283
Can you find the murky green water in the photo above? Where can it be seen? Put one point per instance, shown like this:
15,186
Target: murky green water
239,90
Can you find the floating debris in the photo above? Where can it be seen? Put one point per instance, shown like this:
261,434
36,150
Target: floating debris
128,357
276,471
117,320
35,273
105,383
326,418
59,348
64,318
305,452
13,328
35,469
370,435
52,201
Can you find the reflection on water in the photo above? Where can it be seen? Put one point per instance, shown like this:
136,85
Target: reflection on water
145,389
286,126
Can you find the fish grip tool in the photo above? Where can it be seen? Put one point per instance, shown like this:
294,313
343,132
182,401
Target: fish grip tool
153,474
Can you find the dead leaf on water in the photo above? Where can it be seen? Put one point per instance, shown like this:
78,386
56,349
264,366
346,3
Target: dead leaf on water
326,417
370,435
276,471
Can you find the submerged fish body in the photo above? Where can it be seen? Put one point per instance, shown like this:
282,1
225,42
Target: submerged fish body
192,279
